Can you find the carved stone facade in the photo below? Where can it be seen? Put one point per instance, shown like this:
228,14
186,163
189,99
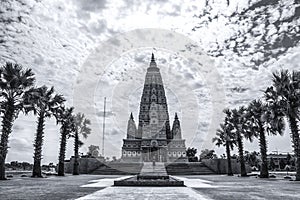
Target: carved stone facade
153,139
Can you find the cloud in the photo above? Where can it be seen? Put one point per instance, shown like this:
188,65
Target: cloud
238,89
107,113
115,42
21,144
55,38
140,58
162,60
114,132
188,75
97,27
174,10
197,85
90,5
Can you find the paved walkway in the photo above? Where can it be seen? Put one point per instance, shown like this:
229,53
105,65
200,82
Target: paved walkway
148,193
145,193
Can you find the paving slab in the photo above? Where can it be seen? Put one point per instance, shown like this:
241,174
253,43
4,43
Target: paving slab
53,187
146,193
104,182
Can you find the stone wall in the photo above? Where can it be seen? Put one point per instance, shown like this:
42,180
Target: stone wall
188,168
96,166
178,159
86,165
220,165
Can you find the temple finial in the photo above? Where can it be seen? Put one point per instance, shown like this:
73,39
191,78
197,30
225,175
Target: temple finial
176,117
152,58
153,63
131,116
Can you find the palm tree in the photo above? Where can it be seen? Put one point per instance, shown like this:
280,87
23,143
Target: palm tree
66,118
44,103
81,128
237,119
225,138
14,82
262,120
284,96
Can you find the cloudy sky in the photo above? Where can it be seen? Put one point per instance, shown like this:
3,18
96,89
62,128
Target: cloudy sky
212,54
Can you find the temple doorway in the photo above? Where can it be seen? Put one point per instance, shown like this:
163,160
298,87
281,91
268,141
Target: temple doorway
154,154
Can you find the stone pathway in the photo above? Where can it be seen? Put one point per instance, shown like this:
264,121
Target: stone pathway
147,193
105,182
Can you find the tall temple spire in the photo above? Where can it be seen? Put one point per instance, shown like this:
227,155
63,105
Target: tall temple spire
131,128
153,63
176,129
152,58
152,138
153,114
131,116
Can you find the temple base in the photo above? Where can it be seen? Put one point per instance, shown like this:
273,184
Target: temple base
152,174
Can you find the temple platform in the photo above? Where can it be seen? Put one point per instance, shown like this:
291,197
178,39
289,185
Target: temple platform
151,175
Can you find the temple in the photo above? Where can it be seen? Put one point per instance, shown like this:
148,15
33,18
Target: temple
153,139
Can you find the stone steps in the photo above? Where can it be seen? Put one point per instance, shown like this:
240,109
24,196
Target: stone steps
119,169
156,171
188,169
158,168
162,169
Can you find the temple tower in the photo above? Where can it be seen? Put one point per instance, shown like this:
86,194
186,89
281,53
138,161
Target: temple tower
176,130
153,114
131,128
153,139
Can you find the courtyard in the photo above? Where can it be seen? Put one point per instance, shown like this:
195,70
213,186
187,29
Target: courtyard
101,187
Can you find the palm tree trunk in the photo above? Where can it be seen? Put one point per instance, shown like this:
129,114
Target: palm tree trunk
76,156
37,171
295,136
7,124
241,155
62,152
264,172
229,171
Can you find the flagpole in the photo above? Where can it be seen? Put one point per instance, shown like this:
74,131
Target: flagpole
103,127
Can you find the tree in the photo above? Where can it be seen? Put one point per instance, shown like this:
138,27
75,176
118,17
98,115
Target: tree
225,138
288,159
81,128
237,119
114,159
191,154
251,158
25,165
272,164
65,117
207,154
93,150
281,163
14,82
263,120
43,102
284,96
